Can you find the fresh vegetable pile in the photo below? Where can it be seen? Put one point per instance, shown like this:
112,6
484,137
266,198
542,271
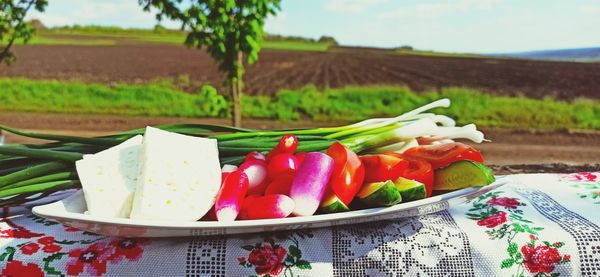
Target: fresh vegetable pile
266,174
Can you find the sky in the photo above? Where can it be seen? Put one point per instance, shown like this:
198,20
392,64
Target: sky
462,26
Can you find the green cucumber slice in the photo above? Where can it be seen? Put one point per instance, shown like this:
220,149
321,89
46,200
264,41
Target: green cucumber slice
332,204
462,174
380,194
410,190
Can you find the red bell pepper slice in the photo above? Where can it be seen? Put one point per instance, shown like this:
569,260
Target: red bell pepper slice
442,155
348,172
380,167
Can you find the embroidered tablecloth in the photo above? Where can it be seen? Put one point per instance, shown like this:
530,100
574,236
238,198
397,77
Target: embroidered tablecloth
537,225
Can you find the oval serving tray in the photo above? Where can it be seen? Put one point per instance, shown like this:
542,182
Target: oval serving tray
70,212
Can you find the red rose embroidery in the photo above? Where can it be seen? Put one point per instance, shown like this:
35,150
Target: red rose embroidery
48,245
540,259
71,229
17,269
18,233
51,248
507,202
30,248
46,240
267,260
581,177
493,220
92,259
131,249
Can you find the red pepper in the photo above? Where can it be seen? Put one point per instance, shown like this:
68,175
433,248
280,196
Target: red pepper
348,172
287,144
419,170
442,155
379,168
231,196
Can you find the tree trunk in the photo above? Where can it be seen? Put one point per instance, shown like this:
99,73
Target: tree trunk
236,94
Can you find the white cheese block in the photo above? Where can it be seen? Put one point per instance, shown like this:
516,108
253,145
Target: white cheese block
109,178
179,178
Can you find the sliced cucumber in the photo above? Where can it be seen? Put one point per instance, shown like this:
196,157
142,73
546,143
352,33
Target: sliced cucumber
463,174
410,190
380,194
332,204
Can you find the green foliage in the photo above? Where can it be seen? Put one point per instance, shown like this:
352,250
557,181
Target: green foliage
12,24
224,27
343,104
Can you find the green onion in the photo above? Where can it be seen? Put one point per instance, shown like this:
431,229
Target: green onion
29,172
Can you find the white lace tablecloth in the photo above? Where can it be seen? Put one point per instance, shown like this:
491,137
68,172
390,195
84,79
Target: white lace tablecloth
538,225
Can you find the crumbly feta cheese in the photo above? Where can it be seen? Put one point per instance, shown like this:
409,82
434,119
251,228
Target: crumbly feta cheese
109,178
179,177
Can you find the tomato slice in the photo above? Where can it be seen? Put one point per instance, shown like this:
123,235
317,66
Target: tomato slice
348,172
380,167
442,155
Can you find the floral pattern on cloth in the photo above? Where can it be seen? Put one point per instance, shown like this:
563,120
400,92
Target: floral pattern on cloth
269,258
503,219
81,257
587,183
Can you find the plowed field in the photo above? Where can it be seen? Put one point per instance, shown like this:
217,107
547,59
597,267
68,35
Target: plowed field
335,68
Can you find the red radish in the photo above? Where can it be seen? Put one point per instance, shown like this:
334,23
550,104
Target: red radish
210,216
231,196
287,144
256,170
280,185
247,203
228,168
269,206
300,157
310,182
255,155
282,165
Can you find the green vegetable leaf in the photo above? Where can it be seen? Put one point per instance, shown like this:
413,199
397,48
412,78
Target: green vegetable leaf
248,247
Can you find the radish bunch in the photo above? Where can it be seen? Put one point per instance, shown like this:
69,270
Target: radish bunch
277,185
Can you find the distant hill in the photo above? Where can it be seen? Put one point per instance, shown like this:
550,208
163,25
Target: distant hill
577,55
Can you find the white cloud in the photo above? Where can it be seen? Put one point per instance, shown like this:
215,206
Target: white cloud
351,6
589,9
276,24
49,20
437,9
107,12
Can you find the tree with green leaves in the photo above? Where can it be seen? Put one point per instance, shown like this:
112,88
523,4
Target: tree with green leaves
229,30
13,26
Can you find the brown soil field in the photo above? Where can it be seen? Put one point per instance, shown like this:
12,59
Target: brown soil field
511,151
335,68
